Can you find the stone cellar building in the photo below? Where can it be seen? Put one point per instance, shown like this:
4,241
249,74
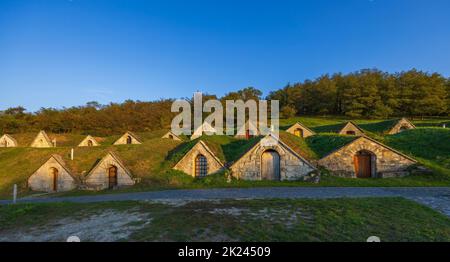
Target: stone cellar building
365,157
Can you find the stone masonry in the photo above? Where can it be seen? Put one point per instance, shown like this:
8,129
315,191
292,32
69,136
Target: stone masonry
187,163
306,131
98,177
42,180
42,140
123,139
402,124
86,141
292,166
351,127
8,141
389,163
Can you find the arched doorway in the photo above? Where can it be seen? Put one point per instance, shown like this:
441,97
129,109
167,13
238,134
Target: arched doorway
270,165
112,177
171,136
54,178
298,132
129,140
364,162
90,143
201,166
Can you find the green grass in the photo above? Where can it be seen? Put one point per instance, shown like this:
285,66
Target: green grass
328,124
226,148
325,143
152,161
431,146
145,161
253,220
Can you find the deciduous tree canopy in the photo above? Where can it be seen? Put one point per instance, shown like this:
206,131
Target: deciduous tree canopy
366,93
369,94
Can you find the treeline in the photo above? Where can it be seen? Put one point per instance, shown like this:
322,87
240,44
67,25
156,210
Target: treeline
92,118
368,94
102,120
365,94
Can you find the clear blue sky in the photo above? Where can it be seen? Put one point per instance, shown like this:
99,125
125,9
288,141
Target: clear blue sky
57,53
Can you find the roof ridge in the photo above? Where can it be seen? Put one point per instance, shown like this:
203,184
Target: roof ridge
278,138
371,139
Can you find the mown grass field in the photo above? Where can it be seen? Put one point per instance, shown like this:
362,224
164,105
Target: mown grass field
152,161
231,220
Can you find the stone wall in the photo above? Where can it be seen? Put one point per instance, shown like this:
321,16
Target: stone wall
7,141
85,142
123,140
42,140
350,127
388,162
403,123
98,178
42,179
170,135
306,132
187,163
291,166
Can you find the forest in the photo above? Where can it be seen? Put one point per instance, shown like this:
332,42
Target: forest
368,93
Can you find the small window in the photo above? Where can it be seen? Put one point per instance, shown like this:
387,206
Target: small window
298,132
351,133
201,166
129,140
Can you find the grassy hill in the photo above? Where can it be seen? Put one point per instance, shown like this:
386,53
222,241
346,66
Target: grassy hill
431,146
152,161
378,126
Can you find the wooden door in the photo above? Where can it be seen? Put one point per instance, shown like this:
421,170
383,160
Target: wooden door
54,177
247,134
270,166
112,177
363,166
298,132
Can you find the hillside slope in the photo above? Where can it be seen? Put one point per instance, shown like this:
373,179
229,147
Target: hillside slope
152,161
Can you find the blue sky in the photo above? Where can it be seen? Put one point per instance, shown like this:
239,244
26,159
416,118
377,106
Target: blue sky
56,53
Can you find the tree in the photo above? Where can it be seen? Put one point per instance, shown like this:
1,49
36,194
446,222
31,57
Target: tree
288,111
15,111
244,94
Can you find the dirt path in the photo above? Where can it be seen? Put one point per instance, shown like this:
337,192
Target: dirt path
435,197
